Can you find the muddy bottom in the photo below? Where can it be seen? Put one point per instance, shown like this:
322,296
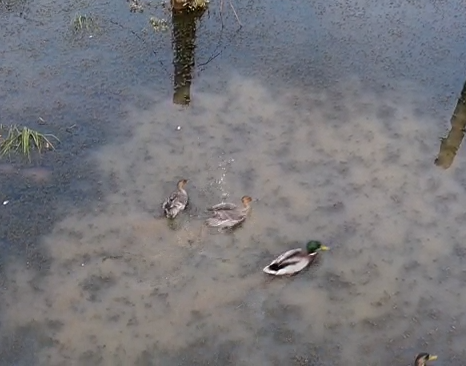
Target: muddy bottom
351,168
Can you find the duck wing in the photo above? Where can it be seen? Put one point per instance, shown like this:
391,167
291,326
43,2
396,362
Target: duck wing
290,262
175,203
287,255
222,206
226,219
170,200
182,197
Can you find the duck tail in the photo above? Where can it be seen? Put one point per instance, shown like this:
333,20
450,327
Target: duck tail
269,270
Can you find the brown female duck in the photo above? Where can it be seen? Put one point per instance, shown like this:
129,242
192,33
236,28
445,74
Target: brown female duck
177,201
227,215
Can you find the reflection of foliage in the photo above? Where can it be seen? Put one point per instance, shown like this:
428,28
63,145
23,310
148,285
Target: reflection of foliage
135,6
24,140
190,6
82,23
158,24
197,5
450,144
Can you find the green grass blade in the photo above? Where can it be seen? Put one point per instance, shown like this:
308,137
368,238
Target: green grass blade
25,141
36,137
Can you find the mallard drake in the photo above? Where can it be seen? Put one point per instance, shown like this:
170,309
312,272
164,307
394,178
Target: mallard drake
295,260
422,358
228,215
177,201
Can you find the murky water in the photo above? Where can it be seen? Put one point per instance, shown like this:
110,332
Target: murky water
330,120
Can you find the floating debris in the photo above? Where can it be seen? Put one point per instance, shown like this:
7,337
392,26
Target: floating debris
84,23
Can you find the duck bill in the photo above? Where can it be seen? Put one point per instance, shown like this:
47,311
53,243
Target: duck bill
432,357
323,247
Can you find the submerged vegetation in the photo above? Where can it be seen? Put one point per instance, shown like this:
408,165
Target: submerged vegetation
83,22
24,140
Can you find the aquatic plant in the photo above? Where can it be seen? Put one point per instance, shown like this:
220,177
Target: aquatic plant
83,22
24,140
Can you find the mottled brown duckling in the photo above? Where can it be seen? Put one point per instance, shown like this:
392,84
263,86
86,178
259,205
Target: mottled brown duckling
228,215
422,358
177,201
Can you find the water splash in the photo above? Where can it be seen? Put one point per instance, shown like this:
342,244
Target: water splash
224,168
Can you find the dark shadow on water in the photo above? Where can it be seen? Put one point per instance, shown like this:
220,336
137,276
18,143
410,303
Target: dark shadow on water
39,194
35,195
449,145
184,45
19,348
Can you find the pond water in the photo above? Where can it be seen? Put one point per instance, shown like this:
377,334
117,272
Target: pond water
328,114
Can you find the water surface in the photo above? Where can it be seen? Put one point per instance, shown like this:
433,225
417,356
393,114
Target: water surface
329,115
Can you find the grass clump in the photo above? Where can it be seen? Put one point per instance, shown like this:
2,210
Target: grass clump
83,23
24,140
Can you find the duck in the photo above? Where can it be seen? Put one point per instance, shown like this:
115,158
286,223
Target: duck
177,201
295,260
422,358
228,215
